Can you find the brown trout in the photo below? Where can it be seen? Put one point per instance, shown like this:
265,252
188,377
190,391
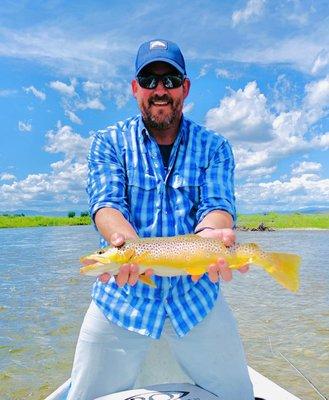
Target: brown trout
190,255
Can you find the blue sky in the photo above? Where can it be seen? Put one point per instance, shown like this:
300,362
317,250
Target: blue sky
259,72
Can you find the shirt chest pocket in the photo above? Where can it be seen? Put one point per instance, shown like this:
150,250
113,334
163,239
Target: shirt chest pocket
138,183
186,187
142,196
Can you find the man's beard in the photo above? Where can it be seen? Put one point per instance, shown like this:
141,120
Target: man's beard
160,121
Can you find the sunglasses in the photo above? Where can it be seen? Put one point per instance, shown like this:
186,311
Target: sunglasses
169,81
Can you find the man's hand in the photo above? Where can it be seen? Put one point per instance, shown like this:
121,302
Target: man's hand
128,273
220,269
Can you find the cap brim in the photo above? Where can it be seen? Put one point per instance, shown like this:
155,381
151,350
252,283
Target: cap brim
166,60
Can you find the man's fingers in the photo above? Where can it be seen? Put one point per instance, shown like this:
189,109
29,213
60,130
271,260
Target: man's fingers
133,274
128,273
225,273
220,270
195,278
104,278
244,269
117,239
149,272
228,237
123,275
213,273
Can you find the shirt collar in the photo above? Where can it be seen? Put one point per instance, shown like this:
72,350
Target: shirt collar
143,133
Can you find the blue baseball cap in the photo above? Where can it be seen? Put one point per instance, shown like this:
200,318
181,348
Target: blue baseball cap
160,50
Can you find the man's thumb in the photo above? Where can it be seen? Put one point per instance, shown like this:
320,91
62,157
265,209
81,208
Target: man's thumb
117,239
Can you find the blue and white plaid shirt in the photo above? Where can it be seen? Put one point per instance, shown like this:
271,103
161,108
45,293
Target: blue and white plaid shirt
126,172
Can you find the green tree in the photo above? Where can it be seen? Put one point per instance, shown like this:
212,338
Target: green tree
71,214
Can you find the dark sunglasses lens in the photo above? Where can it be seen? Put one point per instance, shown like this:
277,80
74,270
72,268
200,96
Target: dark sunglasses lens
148,82
169,81
172,81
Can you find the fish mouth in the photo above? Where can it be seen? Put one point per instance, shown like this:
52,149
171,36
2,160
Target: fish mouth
96,268
92,269
88,261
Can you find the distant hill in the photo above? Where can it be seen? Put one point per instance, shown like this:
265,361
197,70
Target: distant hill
45,213
303,210
314,210
59,213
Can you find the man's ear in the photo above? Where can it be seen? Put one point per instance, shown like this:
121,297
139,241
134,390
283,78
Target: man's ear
186,87
134,87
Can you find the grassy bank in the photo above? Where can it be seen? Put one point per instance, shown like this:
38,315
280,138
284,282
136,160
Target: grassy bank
270,220
284,221
13,221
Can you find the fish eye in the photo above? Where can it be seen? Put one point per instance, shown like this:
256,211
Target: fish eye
100,251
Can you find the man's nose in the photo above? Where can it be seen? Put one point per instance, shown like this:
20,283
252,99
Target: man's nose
160,88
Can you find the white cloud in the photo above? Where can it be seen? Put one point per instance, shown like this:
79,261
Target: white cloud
262,137
252,173
63,88
242,116
285,94
317,94
290,194
7,92
73,117
120,92
37,93
64,184
290,124
61,47
306,166
320,141
24,126
297,51
92,88
254,8
302,185
64,140
7,177
93,104
321,62
188,108
204,70
224,73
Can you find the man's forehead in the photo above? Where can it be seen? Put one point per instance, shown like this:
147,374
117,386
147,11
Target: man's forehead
159,67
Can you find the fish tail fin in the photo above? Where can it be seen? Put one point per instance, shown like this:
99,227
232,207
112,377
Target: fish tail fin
283,267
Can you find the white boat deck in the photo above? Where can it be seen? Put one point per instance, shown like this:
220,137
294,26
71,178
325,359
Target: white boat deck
160,368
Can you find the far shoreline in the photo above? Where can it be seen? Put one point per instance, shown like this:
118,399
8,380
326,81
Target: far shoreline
245,222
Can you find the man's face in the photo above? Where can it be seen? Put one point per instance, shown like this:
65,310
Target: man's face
161,108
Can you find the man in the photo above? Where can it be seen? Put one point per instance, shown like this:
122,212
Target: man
160,174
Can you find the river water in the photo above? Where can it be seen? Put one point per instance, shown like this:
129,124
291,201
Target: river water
43,300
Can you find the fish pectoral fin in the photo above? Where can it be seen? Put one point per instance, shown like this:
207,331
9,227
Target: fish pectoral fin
237,266
195,270
147,280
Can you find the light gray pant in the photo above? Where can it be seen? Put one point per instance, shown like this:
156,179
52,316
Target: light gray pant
108,358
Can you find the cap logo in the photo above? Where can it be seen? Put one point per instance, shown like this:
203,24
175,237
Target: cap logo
158,44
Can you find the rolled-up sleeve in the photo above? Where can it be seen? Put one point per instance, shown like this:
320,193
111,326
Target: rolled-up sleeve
106,177
217,189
